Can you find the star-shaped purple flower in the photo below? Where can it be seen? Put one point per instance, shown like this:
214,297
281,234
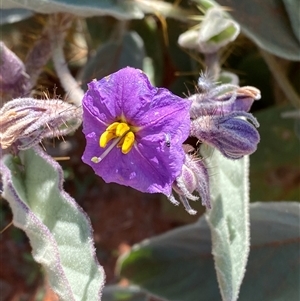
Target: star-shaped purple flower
134,131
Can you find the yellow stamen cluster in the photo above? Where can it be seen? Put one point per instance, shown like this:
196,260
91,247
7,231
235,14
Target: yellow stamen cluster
119,130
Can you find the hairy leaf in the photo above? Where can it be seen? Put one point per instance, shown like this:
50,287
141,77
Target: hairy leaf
58,229
229,221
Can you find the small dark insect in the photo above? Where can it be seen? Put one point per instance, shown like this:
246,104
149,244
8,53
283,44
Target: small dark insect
168,140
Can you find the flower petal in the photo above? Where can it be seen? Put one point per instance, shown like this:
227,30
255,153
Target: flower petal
152,164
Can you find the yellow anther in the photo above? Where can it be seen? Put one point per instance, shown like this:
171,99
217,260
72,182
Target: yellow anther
128,143
106,137
125,139
113,126
110,133
121,129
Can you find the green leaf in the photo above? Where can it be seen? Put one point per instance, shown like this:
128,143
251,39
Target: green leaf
293,9
59,231
129,293
267,24
216,30
87,8
274,172
273,271
229,189
132,9
178,265
115,55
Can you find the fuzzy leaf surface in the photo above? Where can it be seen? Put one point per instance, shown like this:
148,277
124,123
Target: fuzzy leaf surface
59,231
229,221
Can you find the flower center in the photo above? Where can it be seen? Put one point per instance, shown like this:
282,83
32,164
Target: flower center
124,139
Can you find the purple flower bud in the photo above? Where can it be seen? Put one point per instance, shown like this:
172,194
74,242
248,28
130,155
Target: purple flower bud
219,117
193,177
134,131
13,77
233,136
223,99
30,120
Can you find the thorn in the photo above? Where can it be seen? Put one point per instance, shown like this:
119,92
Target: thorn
6,227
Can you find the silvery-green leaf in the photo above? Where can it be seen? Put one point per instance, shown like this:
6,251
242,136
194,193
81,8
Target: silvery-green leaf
216,30
229,221
86,8
188,39
178,265
59,230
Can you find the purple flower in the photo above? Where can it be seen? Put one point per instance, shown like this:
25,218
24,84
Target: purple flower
134,131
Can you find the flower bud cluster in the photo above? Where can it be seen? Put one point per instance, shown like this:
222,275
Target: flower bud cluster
219,118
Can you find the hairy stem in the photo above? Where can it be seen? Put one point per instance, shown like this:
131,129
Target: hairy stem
212,65
68,82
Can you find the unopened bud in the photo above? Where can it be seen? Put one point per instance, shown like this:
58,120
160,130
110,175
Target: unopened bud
193,178
30,120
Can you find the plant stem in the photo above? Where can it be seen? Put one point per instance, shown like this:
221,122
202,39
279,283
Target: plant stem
211,61
68,82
